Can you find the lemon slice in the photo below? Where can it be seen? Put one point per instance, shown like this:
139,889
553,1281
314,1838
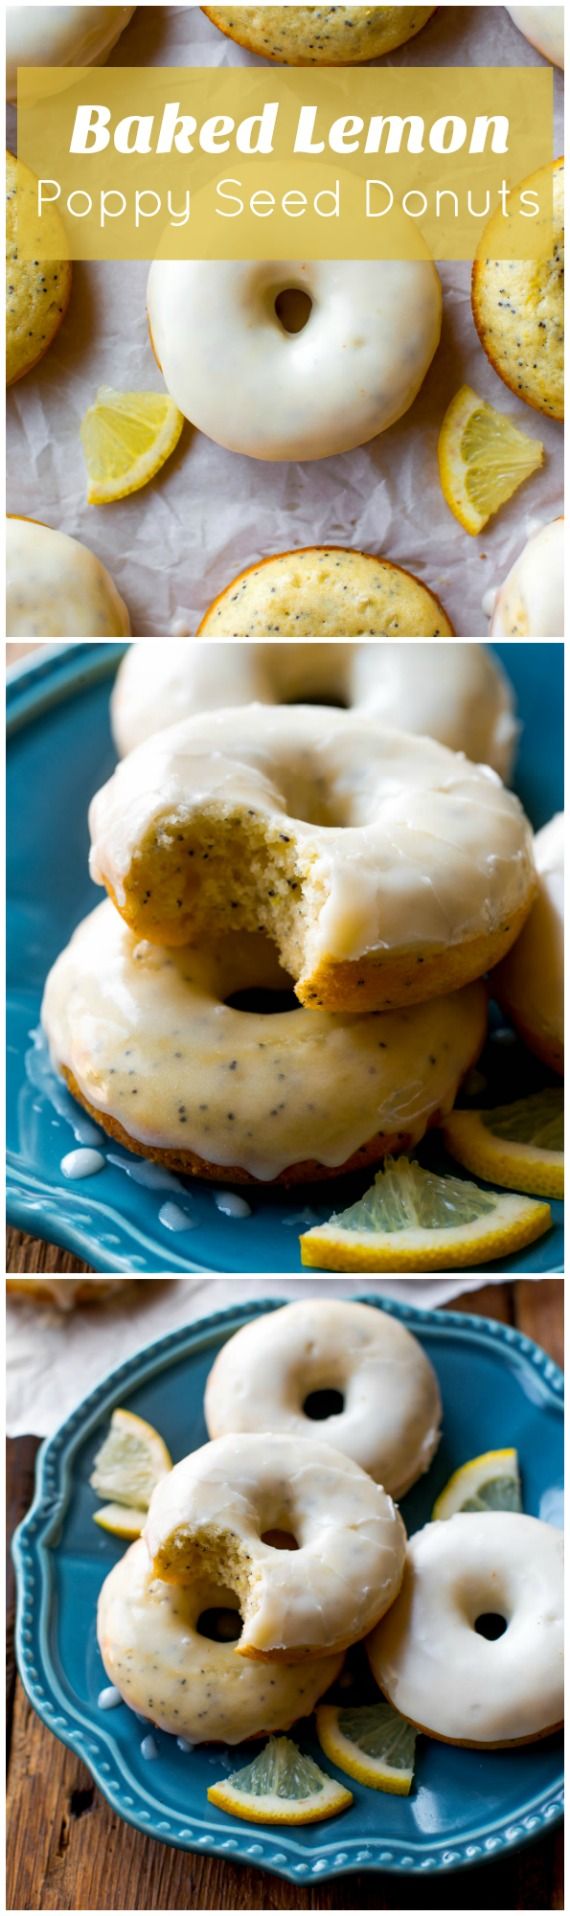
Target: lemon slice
280,1786
489,1482
413,1220
518,1145
373,1744
483,459
122,1520
126,438
132,1459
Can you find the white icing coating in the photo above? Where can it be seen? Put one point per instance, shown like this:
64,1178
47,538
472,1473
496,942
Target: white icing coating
174,1218
397,843
216,1506
234,370
544,27
530,981
82,1163
50,36
231,1204
151,1043
455,693
57,589
391,1415
432,1663
530,604
191,1685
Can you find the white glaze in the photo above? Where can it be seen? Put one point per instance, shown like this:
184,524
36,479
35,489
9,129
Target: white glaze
231,1204
150,1042
50,36
392,1409
530,604
351,1540
432,1663
531,978
544,27
82,1163
57,589
241,378
426,848
455,693
188,1684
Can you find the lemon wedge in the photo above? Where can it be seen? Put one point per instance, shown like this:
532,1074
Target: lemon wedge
489,1482
121,1520
518,1145
126,438
280,1786
372,1743
483,459
413,1220
132,1459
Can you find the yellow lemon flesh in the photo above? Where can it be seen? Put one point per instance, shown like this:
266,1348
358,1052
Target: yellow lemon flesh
126,438
121,1520
483,459
489,1482
280,1786
372,1743
518,1145
414,1220
132,1459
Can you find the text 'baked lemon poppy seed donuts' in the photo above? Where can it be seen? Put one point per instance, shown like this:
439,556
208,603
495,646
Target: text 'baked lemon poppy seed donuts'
60,37
186,1682
530,982
530,603
385,868
235,371
57,589
455,693
443,1673
544,27
319,36
325,592
212,1516
518,307
389,1417
37,291
154,1044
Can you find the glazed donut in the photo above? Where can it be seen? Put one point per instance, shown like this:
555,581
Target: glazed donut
518,308
211,1515
60,37
237,373
530,982
37,293
66,1292
187,1683
390,1419
320,36
427,1655
57,589
325,592
544,27
530,604
147,1041
385,868
455,693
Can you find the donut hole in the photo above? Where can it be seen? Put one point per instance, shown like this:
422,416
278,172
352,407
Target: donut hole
221,1622
293,308
321,1404
491,1625
280,1539
256,1000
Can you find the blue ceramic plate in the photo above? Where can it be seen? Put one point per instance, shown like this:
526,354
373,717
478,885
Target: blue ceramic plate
465,1807
59,752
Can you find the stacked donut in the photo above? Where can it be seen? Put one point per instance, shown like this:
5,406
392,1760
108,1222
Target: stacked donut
303,1540
305,854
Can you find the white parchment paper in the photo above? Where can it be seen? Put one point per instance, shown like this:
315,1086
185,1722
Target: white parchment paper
54,1359
176,544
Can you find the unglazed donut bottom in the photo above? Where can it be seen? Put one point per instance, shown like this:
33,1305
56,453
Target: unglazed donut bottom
37,292
57,589
433,1665
50,36
518,308
210,1515
391,1415
455,693
385,869
66,1292
146,1041
530,604
530,982
235,371
186,1683
544,27
315,36
325,592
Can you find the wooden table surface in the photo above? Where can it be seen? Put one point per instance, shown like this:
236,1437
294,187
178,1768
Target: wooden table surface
68,1850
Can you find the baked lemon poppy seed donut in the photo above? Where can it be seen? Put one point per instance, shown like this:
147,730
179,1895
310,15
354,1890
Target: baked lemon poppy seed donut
544,27
518,308
530,604
530,982
57,589
211,1517
237,372
389,1421
455,693
66,1292
431,1661
60,37
325,592
385,868
184,1681
37,292
320,36
152,1043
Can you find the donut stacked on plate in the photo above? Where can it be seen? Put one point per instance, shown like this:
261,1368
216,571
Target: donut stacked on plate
304,854
303,1540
